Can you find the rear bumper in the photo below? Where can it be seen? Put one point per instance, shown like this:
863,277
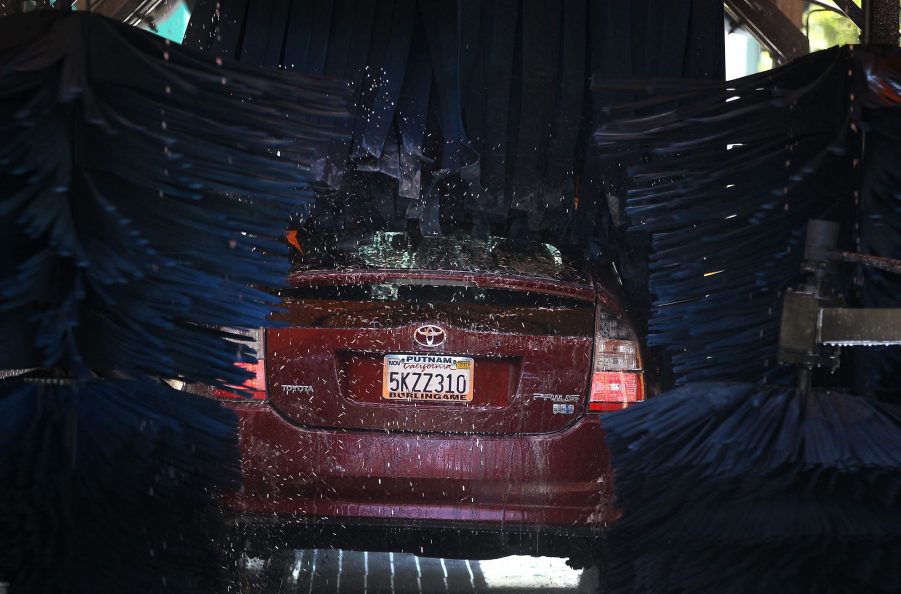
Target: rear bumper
304,479
257,535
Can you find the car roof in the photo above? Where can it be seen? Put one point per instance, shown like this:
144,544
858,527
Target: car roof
496,255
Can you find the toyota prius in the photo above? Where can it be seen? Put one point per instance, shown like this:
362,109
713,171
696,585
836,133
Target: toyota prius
441,397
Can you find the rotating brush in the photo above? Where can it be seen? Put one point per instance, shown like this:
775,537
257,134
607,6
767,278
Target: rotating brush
144,191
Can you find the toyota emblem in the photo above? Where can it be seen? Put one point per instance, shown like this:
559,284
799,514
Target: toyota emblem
429,336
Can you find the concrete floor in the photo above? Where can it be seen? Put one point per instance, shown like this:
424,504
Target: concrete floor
330,571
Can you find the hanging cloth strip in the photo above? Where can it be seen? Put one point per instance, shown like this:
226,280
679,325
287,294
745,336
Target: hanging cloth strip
203,26
497,109
540,57
412,111
262,48
232,19
388,80
561,153
354,27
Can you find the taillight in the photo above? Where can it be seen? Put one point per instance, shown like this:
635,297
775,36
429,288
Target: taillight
256,385
617,379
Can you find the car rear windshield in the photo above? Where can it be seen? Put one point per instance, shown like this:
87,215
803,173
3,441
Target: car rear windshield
397,251
399,303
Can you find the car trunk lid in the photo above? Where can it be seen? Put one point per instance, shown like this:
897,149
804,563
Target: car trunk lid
529,345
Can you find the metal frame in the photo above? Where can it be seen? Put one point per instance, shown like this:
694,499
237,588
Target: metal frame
771,27
852,11
815,323
877,20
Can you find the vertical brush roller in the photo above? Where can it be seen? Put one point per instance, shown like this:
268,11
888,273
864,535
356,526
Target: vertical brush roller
746,487
144,191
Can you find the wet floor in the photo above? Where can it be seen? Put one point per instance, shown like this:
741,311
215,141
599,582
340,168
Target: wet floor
329,571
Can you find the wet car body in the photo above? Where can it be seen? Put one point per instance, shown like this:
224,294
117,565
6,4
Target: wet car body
513,463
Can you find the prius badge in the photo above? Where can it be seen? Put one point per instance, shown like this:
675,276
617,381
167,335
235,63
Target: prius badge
429,336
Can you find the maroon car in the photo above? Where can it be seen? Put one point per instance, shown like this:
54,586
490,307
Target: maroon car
441,398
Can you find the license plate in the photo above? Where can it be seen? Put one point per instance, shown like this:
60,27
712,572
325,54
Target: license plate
432,378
